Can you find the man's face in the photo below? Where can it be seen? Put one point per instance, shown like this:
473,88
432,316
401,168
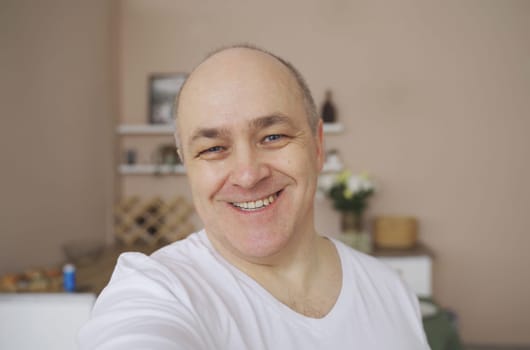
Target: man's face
251,157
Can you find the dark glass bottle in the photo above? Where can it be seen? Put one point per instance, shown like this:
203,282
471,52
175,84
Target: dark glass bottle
328,109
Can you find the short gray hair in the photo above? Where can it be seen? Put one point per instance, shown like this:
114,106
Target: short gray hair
309,102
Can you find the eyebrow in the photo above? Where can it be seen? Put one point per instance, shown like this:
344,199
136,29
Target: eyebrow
256,124
269,120
209,133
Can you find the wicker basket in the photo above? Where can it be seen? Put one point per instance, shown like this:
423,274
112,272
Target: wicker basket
398,232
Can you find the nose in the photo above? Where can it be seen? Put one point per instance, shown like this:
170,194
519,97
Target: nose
249,169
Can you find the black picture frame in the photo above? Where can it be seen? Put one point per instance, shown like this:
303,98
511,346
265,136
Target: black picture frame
163,88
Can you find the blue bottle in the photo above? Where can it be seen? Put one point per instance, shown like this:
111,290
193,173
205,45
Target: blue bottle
69,278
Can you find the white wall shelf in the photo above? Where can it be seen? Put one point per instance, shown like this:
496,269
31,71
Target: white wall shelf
145,129
156,129
332,168
151,169
333,128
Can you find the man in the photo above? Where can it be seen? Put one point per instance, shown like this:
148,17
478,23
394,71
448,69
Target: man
258,276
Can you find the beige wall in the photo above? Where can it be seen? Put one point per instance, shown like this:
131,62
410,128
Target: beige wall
56,138
434,99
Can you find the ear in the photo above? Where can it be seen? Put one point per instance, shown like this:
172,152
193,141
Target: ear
319,139
179,153
178,145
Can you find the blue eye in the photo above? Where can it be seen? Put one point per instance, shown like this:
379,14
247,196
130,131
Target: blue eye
212,149
273,137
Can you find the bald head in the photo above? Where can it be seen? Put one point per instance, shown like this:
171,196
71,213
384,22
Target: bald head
233,68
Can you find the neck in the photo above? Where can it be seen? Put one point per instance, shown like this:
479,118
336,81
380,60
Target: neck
296,267
306,276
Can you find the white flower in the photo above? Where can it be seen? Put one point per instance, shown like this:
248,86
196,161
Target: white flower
354,184
366,185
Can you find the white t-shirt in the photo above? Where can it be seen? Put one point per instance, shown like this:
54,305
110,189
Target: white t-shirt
186,296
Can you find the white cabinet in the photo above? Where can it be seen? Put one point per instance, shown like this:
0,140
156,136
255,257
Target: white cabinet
414,266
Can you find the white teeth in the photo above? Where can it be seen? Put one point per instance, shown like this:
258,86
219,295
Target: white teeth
260,203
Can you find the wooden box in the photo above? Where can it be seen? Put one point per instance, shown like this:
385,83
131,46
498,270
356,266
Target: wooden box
399,232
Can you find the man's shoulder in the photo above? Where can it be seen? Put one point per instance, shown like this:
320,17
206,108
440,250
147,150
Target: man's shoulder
184,255
377,282
183,251
357,257
364,265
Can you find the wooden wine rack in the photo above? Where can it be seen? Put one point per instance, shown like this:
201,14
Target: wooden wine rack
153,220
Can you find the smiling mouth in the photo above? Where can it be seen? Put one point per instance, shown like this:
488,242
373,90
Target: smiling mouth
258,204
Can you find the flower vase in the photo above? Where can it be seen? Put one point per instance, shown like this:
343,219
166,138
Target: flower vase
353,233
351,221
